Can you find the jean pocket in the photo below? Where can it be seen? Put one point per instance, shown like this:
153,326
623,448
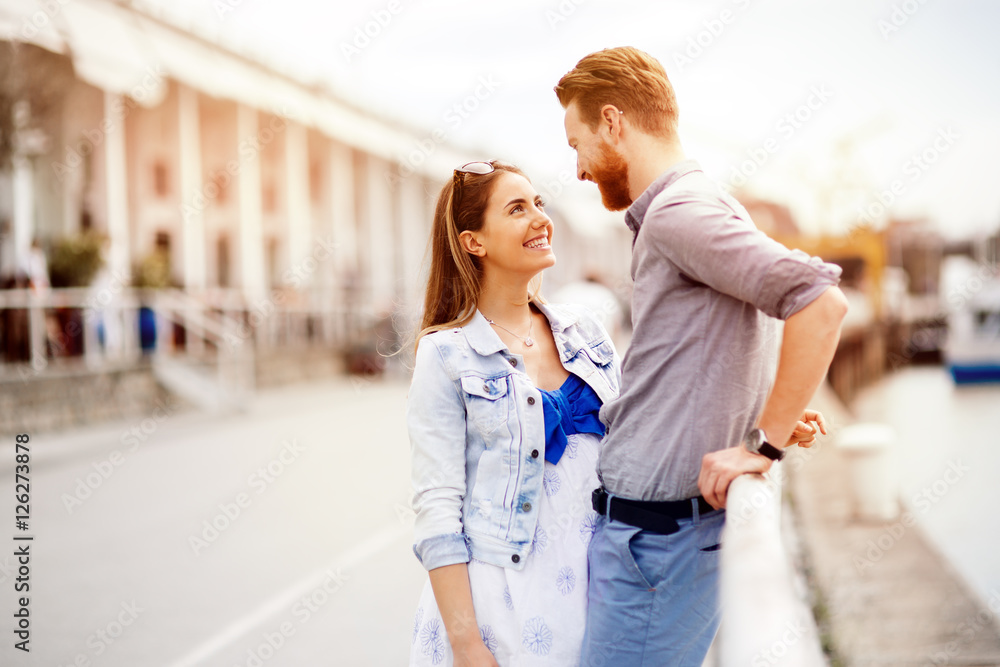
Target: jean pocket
646,551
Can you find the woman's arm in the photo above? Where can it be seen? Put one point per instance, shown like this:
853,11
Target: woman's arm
454,600
436,421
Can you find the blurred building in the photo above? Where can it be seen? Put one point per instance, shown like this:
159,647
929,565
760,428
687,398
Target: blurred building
245,177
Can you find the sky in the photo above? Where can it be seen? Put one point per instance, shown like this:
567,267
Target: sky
845,111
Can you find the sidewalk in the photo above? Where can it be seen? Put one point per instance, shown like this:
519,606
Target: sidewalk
886,597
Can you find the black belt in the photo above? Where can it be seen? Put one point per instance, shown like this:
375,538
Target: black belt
654,516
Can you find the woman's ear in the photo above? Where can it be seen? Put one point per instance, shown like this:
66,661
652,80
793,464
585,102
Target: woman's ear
471,244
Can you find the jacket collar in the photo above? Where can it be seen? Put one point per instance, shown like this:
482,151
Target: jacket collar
485,341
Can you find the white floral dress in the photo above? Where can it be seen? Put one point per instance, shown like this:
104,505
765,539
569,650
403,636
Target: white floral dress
537,615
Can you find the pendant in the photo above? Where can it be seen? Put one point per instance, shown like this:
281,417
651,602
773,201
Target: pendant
528,341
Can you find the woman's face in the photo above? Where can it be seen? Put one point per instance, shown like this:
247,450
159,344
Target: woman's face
516,235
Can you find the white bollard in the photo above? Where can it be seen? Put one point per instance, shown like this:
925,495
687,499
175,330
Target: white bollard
874,487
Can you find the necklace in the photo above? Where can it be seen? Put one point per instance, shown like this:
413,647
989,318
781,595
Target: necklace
528,341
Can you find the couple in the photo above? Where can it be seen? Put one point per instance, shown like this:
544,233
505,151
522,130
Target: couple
569,508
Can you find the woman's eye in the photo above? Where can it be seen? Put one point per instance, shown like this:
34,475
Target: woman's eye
517,208
540,203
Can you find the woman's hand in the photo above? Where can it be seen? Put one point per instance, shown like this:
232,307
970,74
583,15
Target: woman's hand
804,434
473,654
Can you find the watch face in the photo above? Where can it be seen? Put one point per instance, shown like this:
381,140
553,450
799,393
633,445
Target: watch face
755,439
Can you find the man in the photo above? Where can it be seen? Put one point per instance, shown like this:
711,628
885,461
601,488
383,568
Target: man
695,409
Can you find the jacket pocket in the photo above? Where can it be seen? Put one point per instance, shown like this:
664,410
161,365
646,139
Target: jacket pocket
600,353
486,401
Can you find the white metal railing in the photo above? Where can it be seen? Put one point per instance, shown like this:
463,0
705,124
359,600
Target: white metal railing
42,330
765,622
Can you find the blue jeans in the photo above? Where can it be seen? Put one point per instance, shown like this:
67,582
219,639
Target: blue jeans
653,599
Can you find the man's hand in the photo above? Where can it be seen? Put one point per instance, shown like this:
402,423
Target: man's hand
804,434
719,469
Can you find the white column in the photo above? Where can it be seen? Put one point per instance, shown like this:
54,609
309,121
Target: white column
23,191
117,192
379,235
297,196
341,170
250,215
192,206
414,236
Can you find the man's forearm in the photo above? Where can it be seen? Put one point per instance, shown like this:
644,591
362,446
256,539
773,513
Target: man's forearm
808,344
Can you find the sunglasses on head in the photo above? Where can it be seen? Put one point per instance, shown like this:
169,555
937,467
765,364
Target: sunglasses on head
478,168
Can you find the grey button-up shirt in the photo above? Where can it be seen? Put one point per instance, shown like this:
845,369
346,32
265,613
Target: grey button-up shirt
709,290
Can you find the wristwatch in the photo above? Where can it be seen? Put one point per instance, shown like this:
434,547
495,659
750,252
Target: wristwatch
756,443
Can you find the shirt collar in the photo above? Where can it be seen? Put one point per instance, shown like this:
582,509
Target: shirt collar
637,211
484,340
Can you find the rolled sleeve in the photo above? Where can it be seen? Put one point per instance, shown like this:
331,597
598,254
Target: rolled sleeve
436,421
714,244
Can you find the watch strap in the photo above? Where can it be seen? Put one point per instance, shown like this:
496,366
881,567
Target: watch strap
771,452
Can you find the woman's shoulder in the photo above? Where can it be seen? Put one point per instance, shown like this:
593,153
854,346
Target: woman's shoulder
576,315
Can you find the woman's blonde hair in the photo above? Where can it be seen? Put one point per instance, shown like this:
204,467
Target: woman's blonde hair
628,78
455,278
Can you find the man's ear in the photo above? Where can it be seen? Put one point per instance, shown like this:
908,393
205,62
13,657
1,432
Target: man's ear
470,242
611,119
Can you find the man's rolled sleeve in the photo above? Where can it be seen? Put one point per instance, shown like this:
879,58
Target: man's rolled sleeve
794,282
714,244
435,417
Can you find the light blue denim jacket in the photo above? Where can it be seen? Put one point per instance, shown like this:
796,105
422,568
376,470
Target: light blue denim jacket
477,435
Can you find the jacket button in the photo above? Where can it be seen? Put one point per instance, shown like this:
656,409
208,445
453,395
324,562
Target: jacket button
531,400
513,362
526,507
516,558
534,453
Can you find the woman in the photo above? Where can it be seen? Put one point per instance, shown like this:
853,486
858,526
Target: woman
503,424
504,428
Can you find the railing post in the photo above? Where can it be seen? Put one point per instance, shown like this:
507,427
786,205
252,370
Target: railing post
764,622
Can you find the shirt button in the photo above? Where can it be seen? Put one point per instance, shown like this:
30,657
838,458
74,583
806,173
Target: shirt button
526,507
534,453
531,400
516,558
486,388
513,362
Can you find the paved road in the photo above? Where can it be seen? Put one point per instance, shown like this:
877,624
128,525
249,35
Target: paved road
276,537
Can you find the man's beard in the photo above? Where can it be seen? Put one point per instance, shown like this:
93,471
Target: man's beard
611,176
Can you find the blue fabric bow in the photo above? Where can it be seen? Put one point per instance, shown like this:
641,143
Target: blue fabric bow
572,408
